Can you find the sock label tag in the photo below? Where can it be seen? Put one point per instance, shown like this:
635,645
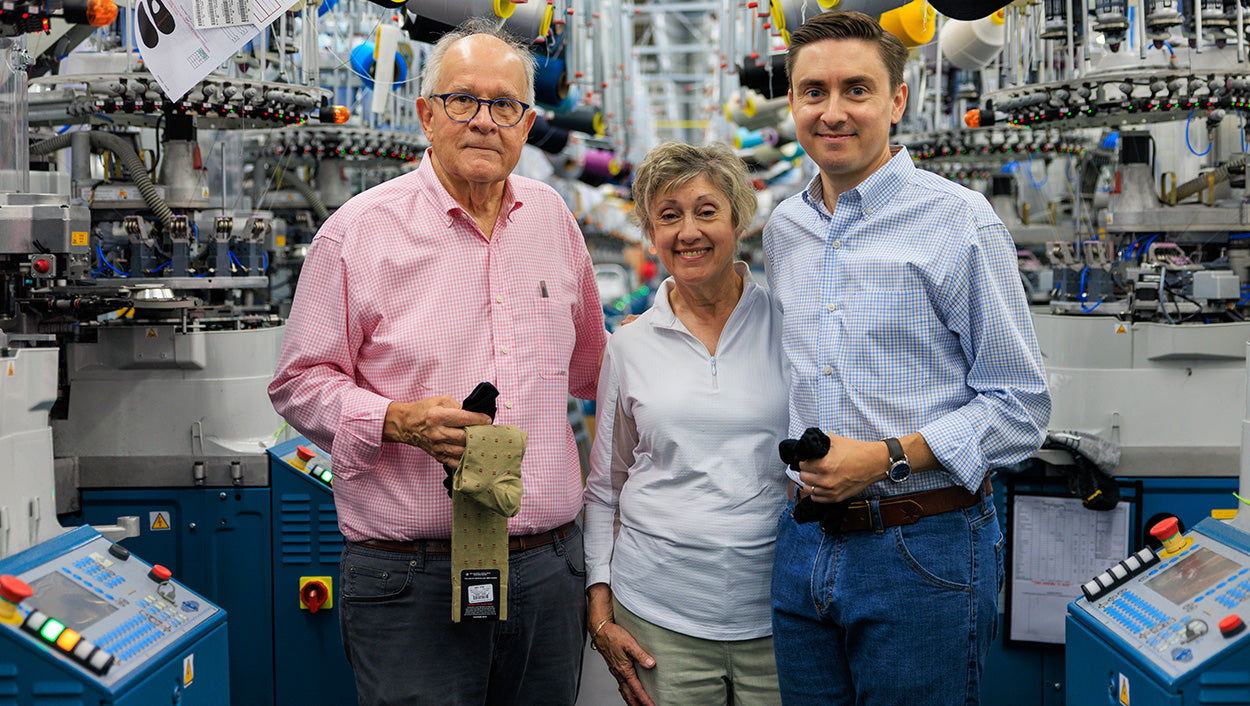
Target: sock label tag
479,594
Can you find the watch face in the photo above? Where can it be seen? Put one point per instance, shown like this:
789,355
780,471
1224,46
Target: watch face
899,471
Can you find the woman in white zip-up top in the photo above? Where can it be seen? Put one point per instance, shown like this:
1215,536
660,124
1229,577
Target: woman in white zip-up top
686,485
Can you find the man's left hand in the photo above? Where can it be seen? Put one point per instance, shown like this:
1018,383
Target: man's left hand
844,472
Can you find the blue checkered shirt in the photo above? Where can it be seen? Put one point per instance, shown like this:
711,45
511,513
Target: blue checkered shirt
903,312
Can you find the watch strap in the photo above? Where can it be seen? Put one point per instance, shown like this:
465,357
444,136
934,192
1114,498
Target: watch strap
896,450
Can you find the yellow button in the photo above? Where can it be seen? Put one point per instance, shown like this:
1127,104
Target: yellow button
67,640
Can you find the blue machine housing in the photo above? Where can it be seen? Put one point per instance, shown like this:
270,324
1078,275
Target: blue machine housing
309,664
1154,639
169,644
248,549
1032,674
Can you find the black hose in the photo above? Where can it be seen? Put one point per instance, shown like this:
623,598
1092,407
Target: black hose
309,194
130,160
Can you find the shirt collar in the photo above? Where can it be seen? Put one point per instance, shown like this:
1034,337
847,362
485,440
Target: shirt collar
664,316
447,205
873,192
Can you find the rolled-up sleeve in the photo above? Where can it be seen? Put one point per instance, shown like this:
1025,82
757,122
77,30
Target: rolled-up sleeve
314,386
1005,421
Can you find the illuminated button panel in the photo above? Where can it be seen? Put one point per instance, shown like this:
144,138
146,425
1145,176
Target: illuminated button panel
104,612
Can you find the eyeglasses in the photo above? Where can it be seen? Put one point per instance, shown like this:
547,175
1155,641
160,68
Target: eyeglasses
463,107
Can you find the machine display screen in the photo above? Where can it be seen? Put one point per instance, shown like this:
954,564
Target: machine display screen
61,598
1192,576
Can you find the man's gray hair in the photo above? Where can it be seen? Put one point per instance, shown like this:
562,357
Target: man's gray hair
477,25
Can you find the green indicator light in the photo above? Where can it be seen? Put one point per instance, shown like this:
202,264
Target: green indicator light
325,476
51,630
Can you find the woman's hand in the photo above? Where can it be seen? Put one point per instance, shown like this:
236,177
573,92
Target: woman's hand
621,651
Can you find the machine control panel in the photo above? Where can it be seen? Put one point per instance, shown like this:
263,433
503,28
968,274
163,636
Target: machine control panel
1183,610
307,458
99,609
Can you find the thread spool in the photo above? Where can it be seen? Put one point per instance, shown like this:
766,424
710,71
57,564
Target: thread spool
735,106
792,150
531,20
763,155
453,12
972,45
546,137
426,30
968,9
362,63
567,105
788,15
768,80
585,120
759,112
387,39
914,23
746,139
551,83
599,166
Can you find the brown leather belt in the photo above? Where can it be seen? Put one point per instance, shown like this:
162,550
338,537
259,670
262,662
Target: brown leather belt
906,509
516,543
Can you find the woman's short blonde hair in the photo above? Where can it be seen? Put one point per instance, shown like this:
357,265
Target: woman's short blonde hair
670,165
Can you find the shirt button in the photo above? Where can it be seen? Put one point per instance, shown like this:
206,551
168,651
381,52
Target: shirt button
837,244
831,307
504,350
828,370
508,405
499,300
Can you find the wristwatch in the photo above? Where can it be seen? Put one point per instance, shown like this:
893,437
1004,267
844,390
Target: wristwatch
900,467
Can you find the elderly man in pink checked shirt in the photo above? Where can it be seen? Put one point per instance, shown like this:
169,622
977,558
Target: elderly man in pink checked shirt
412,293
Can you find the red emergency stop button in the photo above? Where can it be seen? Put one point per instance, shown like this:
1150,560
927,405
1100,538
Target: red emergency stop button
42,266
1231,625
1164,528
159,573
1167,531
304,453
14,590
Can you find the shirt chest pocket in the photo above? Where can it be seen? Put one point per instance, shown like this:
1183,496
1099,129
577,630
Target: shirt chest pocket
882,336
546,335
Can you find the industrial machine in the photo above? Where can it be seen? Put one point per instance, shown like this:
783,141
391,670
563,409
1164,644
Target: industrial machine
306,550
1166,625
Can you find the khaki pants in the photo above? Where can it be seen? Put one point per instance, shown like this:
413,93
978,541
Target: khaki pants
690,671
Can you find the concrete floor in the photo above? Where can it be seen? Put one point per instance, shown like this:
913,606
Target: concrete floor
598,686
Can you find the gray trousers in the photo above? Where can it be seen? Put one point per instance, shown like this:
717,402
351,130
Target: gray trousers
395,616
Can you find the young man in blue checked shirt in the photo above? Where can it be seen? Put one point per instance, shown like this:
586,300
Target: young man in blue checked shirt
912,348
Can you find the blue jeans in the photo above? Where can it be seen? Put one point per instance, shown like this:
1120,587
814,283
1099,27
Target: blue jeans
404,648
901,616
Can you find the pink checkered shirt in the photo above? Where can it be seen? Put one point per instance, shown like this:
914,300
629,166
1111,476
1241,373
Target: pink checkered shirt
402,298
